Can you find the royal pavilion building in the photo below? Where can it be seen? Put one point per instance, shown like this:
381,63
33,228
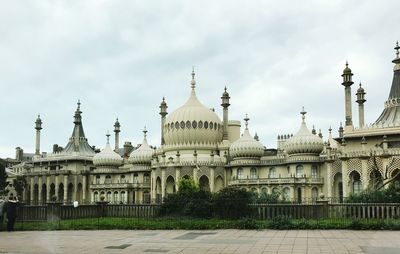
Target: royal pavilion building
216,153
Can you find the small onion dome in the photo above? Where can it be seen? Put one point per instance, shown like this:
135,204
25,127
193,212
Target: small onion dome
347,70
360,89
107,157
143,154
246,146
304,142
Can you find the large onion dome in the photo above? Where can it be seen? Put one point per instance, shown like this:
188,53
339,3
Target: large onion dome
304,142
246,146
193,123
107,157
143,154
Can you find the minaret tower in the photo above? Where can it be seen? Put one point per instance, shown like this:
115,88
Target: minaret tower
117,130
38,127
360,100
225,104
347,83
78,123
163,113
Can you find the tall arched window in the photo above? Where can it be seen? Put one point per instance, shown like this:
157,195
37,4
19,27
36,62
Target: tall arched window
96,196
272,172
123,179
108,179
299,171
240,173
98,179
253,173
146,178
286,194
314,171
356,182
109,196
314,193
135,178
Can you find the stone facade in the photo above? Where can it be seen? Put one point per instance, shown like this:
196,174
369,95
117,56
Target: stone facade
196,143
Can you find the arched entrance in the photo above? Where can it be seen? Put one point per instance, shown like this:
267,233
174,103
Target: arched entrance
338,187
204,183
170,185
52,191
61,192
69,193
44,193
299,195
218,184
79,193
158,190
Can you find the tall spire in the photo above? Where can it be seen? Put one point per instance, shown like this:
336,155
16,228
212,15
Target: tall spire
246,119
303,114
108,137
397,48
193,82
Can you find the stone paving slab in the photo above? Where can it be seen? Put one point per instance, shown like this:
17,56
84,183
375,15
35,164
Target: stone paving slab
193,241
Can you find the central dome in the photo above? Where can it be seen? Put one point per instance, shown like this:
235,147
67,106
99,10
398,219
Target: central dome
193,123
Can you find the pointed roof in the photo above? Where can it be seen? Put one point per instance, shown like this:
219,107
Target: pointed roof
78,143
391,113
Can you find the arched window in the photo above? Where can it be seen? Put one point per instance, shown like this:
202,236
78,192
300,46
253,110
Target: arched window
96,196
188,124
177,125
108,179
240,173
123,180
123,197
314,171
253,173
135,178
211,125
356,182
116,197
194,124
205,125
98,179
272,172
182,125
200,124
146,178
109,196
314,193
299,171
286,194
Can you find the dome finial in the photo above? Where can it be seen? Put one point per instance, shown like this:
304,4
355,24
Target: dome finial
303,114
246,119
145,131
193,82
108,137
330,129
397,59
79,105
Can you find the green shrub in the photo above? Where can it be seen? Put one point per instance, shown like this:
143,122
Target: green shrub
389,195
232,203
247,223
281,222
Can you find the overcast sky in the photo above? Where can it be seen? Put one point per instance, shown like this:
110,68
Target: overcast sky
121,57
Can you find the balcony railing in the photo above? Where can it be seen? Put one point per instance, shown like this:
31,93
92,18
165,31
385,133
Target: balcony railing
285,180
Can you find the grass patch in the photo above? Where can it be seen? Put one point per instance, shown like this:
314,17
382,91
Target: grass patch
283,223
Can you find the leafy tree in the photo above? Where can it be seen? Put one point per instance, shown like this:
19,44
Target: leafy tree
388,195
187,185
3,180
19,185
265,198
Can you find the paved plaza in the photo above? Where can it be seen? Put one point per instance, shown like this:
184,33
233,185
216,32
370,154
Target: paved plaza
193,241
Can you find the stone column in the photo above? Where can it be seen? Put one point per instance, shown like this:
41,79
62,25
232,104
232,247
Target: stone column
195,176
329,180
153,187
84,190
65,188
40,187
75,188
32,189
57,187
345,179
136,197
48,188
177,177
212,177
163,183
364,174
